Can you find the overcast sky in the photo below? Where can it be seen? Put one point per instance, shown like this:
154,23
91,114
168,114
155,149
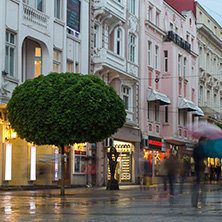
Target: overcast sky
214,8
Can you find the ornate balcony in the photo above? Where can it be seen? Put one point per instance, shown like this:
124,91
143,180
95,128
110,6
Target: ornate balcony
106,58
35,18
110,9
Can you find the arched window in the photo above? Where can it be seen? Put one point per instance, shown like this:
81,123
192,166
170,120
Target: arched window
119,39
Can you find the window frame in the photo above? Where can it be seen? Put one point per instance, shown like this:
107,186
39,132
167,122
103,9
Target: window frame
57,63
132,48
58,10
10,45
165,61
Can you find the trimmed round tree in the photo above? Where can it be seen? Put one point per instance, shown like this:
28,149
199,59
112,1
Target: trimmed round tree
65,108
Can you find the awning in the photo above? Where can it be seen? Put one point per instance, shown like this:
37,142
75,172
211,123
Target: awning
198,112
153,95
186,104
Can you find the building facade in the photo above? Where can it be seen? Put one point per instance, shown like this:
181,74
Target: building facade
39,37
168,82
116,61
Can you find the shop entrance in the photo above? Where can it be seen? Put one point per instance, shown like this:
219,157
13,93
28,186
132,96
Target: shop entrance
123,171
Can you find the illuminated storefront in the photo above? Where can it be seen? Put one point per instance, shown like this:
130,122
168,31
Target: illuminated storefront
154,154
123,171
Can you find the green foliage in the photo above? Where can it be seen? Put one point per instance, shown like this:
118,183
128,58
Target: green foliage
66,108
219,124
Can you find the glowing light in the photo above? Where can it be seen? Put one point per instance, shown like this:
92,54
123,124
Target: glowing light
33,163
8,162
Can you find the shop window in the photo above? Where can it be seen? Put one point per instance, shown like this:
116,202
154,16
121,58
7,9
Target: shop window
79,158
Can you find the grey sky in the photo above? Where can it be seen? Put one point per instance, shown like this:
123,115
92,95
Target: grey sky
214,8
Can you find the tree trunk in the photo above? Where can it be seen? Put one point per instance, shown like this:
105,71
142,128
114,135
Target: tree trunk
62,172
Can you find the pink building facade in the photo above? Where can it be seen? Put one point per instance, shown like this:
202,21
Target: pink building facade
168,81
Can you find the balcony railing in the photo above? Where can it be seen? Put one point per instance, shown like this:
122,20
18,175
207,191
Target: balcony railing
35,17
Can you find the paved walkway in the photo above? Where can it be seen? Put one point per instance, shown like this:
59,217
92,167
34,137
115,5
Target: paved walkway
98,204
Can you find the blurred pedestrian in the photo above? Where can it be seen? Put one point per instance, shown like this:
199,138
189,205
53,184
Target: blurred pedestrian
141,169
163,173
182,173
218,172
148,172
206,173
172,171
198,156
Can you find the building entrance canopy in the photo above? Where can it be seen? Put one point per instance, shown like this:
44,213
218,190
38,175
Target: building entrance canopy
186,104
198,112
153,95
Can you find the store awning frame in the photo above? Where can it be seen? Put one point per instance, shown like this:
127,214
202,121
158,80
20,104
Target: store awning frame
153,95
186,104
198,112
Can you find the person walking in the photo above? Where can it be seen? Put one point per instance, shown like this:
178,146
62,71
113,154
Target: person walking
163,173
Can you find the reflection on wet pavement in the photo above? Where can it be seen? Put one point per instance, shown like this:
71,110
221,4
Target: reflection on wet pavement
102,205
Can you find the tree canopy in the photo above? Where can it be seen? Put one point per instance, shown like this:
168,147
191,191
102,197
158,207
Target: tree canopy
65,108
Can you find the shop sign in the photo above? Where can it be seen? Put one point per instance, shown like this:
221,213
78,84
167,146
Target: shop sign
155,143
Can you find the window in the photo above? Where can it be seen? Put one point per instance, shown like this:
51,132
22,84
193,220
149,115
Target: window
193,94
165,61
38,61
179,65
10,53
200,56
56,61
132,48
156,57
180,88
150,13
39,5
208,63
157,111
179,117
215,101
166,114
126,96
184,68
79,158
69,66
77,67
149,111
119,42
215,30
171,26
157,18
215,67
96,36
185,118
185,89
150,78
149,53
208,22
208,98
201,95
200,17
132,6
57,9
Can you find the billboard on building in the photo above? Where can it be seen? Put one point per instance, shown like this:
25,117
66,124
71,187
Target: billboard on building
73,15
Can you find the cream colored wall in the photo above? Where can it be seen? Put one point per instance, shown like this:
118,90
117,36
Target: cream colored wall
19,162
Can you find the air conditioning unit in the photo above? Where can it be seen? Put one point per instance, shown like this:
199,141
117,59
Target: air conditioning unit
108,142
144,143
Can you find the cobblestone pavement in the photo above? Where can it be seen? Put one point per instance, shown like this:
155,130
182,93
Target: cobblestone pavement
98,204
